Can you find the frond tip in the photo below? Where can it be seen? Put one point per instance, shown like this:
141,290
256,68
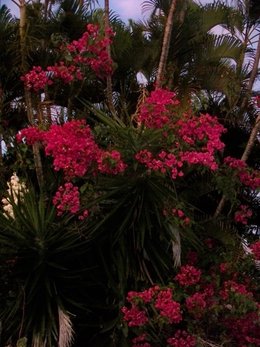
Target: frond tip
176,246
65,329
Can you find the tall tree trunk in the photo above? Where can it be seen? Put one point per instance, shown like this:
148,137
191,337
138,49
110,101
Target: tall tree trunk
109,90
256,128
28,99
1,113
252,76
165,45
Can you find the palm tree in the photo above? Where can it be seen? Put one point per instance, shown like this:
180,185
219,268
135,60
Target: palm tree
195,66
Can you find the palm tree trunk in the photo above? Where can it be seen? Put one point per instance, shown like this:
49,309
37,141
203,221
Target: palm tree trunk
28,99
165,45
255,67
1,112
109,90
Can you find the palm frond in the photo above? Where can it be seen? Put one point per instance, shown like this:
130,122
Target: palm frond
153,6
65,329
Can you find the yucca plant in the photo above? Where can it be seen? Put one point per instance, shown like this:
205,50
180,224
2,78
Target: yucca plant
43,257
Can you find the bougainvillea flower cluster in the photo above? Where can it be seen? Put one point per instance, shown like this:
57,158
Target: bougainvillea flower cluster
31,134
67,199
134,316
195,139
243,214
182,339
181,215
37,79
247,176
198,305
188,275
163,162
140,341
110,162
72,147
67,74
75,152
167,307
187,140
89,51
157,111
255,247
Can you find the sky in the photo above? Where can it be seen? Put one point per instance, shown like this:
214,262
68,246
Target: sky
127,8
132,8
124,8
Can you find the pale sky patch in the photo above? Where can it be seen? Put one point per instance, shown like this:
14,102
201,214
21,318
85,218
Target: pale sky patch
127,9
14,9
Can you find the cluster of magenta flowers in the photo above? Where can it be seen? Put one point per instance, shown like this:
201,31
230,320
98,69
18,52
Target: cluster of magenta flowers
255,247
191,139
187,141
216,302
247,176
75,152
243,214
89,51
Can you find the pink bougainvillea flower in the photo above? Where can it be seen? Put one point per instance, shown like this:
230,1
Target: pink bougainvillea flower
188,275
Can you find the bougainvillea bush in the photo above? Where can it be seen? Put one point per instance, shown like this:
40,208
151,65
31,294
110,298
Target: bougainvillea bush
138,194
132,185
167,142
217,305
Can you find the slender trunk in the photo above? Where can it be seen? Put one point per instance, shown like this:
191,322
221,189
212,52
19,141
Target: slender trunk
24,65
252,75
256,128
109,90
47,8
165,45
28,98
255,67
1,113
251,140
1,150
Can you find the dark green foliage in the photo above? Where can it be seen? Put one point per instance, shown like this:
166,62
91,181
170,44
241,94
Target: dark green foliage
44,258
